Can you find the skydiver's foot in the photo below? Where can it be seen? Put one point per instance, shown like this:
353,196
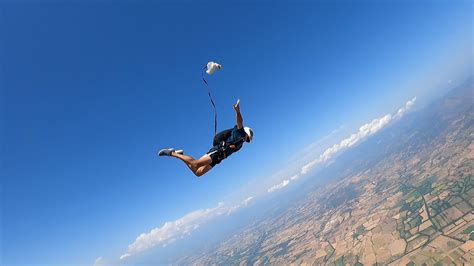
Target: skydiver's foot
169,152
165,152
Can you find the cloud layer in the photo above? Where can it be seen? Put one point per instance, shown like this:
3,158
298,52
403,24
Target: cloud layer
364,131
180,228
283,184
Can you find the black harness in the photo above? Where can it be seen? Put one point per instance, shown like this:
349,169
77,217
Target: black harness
221,146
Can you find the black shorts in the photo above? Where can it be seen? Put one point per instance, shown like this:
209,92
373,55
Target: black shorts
217,155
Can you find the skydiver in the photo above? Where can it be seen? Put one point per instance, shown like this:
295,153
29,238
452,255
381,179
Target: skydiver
225,143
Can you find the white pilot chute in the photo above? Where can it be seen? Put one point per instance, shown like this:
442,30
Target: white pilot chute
210,68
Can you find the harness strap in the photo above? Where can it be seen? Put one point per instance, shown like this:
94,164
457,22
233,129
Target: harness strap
234,142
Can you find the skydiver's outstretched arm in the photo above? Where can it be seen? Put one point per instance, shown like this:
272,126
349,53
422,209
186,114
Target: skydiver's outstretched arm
240,120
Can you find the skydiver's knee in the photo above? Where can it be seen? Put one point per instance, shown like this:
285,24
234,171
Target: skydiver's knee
198,173
202,170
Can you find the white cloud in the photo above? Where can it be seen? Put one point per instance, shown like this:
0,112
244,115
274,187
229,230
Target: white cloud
407,106
283,184
170,230
364,131
237,206
294,177
276,187
173,230
247,201
98,261
124,256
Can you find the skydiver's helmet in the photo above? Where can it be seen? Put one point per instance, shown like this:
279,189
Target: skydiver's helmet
249,132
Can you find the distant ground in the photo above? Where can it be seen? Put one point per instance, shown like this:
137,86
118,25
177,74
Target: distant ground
406,200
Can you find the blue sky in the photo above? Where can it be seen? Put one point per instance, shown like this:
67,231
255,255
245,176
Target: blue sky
90,92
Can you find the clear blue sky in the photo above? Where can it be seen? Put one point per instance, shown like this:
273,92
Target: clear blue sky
90,92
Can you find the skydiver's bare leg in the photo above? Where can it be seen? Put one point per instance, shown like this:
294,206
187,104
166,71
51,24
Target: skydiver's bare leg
198,167
203,169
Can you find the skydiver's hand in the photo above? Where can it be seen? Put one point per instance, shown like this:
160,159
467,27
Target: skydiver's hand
238,116
236,106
